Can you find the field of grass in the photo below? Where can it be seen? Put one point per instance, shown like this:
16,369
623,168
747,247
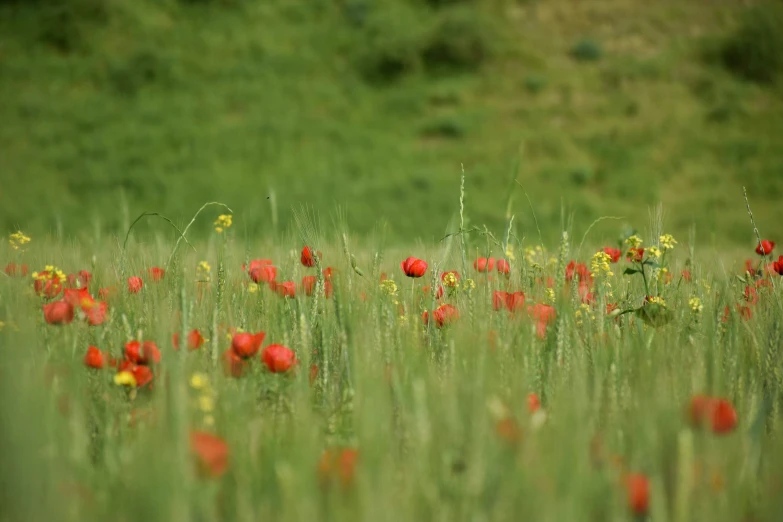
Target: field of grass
597,108
579,399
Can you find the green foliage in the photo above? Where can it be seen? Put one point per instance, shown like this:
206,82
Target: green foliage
391,42
461,41
755,50
375,105
587,50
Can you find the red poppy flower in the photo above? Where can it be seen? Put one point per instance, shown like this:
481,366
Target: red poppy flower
635,254
233,364
286,289
614,254
414,267
246,345
211,453
58,312
78,298
638,488
533,403
765,247
156,273
12,269
751,295
135,284
194,339
142,353
48,284
778,265
686,275
448,280
142,374
308,258
610,307
339,464
327,272
503,267
578,269
585,294
714,413
93,358
543,314
81,279
512,301
308,284
263,274
444,315
484,264
96,313
278,358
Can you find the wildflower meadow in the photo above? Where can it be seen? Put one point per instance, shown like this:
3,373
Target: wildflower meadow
318,375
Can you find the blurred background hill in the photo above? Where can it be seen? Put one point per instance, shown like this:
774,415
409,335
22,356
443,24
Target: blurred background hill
605,107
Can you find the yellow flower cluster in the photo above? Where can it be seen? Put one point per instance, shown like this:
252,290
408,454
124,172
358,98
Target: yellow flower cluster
510,253
695,304
125,379
202,271
49,272
657,300
583,311
653,252
550,295
222,222
533,255
600,263
634,241
389,287
18,240
667,242
206,398
469,284
450,280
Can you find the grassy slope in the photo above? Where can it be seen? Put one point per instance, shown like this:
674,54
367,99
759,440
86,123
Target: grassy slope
244,101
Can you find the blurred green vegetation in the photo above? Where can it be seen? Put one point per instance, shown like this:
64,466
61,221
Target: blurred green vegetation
600,109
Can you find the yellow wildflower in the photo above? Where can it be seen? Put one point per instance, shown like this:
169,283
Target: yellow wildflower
222,222
470,284
695,304
510,253
667,242
389,287
450,280
206,403
600,263
18,239
125,379
199,381
634,241
653,252
550,295
657,300
252,288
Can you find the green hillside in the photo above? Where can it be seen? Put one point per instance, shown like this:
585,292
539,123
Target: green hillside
601,108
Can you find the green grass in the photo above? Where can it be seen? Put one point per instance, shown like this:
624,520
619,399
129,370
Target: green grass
421,406
158,104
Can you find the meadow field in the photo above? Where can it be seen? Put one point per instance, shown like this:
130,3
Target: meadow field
317,376
391,260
